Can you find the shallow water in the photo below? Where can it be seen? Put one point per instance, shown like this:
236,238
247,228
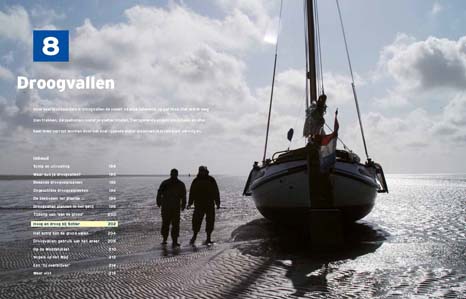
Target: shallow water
412,245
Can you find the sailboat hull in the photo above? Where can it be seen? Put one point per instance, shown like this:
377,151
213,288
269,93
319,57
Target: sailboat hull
281,191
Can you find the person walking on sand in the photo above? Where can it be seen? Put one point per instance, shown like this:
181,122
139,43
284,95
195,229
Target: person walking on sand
205,196
171,197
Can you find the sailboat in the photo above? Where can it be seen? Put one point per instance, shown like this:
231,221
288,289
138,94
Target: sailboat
284,186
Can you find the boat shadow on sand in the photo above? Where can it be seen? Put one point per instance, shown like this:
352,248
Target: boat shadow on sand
306,267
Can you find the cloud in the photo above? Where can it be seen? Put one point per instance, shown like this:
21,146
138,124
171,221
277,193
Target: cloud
397,132
290,88
429,73
426,65
8,58
338,87
158,64
259,12
5,74
392,99
430,70
443,129
391,141
417,126
436,8
414,140
452,125
455,111
158,61
15,24
43,17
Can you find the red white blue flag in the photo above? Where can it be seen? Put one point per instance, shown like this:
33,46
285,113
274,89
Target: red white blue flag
328,147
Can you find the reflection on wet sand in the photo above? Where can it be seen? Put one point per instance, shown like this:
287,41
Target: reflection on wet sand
289,248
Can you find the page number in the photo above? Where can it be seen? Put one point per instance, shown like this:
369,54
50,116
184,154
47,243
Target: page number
50,47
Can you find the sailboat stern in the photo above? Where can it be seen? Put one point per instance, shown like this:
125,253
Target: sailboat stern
281,193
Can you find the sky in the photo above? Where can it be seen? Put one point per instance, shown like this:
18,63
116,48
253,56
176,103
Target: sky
409,60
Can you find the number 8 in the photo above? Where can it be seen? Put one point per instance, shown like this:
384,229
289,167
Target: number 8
50,43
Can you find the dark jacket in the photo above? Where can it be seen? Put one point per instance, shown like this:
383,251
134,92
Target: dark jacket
204,192
172,194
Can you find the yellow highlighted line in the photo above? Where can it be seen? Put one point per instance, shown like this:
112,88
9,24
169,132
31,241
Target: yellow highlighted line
73,223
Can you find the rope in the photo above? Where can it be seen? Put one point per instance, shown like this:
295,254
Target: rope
352,79
319,49
344,39
339,139
273,83
279,25
306,53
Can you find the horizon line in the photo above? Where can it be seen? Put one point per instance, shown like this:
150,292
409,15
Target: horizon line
29,176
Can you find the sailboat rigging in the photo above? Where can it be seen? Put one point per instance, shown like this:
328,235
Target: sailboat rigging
285,186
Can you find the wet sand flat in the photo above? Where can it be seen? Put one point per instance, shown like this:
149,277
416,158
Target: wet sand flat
396,252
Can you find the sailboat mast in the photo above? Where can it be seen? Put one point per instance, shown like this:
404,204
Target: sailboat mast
311,72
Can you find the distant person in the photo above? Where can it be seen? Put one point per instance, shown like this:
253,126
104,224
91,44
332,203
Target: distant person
205,196
171,196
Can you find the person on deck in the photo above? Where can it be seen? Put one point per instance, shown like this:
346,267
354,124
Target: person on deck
205,196
314,124
171,197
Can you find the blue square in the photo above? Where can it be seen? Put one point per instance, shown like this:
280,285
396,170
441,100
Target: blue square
50,45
